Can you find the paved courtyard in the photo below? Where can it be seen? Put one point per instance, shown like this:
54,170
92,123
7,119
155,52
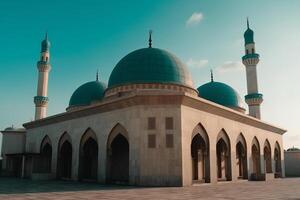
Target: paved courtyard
45,190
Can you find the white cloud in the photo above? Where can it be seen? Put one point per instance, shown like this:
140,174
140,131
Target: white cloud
194,19
230,66
196,63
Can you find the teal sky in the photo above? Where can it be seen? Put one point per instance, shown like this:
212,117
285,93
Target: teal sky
87,35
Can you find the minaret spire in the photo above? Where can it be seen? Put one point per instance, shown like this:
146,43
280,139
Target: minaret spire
150,38
247,23
44,67
211,76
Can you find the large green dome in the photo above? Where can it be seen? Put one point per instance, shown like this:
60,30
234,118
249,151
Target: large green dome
150,65
222,94
87,93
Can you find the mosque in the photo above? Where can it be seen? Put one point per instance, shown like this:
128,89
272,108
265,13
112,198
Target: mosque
148,126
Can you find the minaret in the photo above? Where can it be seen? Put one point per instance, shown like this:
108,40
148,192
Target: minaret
43,65
250,60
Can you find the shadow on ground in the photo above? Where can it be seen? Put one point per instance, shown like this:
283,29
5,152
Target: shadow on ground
19,186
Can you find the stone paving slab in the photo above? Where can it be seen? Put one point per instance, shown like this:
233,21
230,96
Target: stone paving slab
288,189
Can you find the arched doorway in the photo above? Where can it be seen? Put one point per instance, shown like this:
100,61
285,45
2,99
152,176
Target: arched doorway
200,159
267,157
64,158
118,156
255,151
45,156
277,159
241,157
223,157
88,161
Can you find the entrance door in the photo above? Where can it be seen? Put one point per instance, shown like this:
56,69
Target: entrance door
119,160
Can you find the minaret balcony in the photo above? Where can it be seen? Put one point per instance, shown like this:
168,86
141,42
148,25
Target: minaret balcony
250,59
41,101
254,99
43,66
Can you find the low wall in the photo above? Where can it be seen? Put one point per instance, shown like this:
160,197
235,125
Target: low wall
292,163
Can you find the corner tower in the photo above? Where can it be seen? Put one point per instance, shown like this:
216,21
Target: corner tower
43,65
250,60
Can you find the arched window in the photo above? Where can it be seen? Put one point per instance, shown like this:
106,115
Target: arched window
255,154
88,158
64,162
223,156
241,157
267,157
118,155
200,155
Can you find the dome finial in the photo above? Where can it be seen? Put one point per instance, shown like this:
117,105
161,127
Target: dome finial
247,22
97,75
211,76
150,38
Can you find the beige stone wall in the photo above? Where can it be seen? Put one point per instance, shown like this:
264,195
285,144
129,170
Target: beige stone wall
213,124
159,166
155,166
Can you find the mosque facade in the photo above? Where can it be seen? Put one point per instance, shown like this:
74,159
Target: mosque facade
148,126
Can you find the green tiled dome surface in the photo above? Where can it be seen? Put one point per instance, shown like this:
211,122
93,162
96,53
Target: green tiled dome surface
87,93
220,93
150,65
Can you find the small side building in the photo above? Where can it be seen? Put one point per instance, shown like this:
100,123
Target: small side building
292,162
13,146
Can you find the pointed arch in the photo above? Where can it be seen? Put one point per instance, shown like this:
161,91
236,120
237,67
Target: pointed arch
65,151
63,138
116,130
277,160
88,156
241,138
255,154
267,156
45,158
241,156
117,160
223,156
46,140
88,133
224,136
200,155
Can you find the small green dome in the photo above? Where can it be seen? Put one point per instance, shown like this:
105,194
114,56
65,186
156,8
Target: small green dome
222,94
249,36
87,93
45,44
150,65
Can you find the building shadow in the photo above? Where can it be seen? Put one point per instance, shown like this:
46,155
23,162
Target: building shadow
22,186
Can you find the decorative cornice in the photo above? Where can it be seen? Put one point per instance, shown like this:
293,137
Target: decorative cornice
43,66
254,99
146,86
251,55
142,98
250,59
41,101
